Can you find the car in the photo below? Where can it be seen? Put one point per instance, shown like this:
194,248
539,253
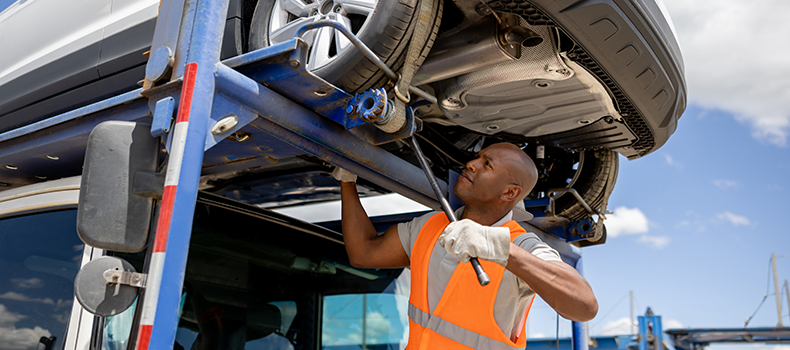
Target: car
574,83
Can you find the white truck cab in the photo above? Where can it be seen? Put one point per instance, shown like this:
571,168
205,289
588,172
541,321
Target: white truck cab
254,280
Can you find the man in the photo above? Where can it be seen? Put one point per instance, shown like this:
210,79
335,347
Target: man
448,308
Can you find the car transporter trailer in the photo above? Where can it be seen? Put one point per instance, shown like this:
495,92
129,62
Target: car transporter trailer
209,112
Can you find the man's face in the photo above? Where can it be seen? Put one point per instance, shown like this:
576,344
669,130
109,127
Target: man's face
487,176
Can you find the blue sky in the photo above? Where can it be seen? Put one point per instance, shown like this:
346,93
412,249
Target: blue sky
713,199
5,3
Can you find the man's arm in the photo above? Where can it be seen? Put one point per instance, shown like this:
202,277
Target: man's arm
556,282
364,246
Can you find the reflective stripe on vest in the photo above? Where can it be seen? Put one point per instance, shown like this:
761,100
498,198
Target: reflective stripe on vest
464,316
456,333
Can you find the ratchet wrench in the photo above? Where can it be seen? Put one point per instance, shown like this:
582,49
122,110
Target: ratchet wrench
482,276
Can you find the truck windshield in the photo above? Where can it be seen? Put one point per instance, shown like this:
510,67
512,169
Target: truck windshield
260,284
40,255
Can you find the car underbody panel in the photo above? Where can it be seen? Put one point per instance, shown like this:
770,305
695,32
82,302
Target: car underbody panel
629,45
607,76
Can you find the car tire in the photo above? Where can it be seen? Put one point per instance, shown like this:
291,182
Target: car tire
386,31
591,182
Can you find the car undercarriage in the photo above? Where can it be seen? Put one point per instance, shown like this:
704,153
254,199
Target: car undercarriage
574,83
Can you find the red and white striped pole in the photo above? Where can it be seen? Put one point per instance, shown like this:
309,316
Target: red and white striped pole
156,266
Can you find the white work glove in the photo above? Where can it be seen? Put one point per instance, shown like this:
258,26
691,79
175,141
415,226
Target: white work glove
467,239
344,175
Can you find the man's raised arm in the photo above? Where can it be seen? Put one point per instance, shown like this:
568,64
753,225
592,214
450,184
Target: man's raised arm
559,284
364,246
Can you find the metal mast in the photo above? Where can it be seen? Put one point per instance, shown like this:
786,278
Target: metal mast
778,294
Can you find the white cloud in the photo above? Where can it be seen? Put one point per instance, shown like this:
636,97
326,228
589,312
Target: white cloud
26,283
770,347
733,62
62,317
13,338
735,219
669,159
620,326
725,184
657,242
9,318
672,324
377,328
626,221
694,224
64,304
21,297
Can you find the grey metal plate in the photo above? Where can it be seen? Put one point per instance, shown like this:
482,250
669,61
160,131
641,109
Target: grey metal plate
99,297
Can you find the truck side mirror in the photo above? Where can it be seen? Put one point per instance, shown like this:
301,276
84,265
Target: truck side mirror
110,215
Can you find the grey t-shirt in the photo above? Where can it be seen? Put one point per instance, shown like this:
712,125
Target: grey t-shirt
512,291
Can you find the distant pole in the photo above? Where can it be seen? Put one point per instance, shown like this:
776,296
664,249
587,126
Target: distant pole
787,293
776,287
364,321
632,312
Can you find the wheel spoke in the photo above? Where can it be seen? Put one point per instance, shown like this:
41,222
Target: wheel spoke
321,44
341,42
325,43
287,31
359,7
298,8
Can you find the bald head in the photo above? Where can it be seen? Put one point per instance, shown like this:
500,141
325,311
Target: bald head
495,181
521,168
500,175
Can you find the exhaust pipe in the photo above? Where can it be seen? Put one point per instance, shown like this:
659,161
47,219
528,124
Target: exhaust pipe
486,43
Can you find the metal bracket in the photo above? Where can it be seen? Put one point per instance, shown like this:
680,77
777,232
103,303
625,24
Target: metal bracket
369,106
134,279
578,198
163,116
368,132
544,217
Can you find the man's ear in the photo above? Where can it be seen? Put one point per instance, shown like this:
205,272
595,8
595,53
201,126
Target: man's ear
511,193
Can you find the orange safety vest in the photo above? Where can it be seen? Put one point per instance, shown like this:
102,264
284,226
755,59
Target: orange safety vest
464,317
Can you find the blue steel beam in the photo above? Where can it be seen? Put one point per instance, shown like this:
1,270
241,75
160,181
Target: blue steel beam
650,332
161,302
55,147
321,137
698,338
613,342
579,329
92,109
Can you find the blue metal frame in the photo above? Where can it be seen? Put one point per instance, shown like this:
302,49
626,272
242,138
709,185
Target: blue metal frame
651,332
699,338
579,329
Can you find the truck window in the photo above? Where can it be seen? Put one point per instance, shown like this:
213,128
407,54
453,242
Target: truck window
367,320
257,284
40,255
